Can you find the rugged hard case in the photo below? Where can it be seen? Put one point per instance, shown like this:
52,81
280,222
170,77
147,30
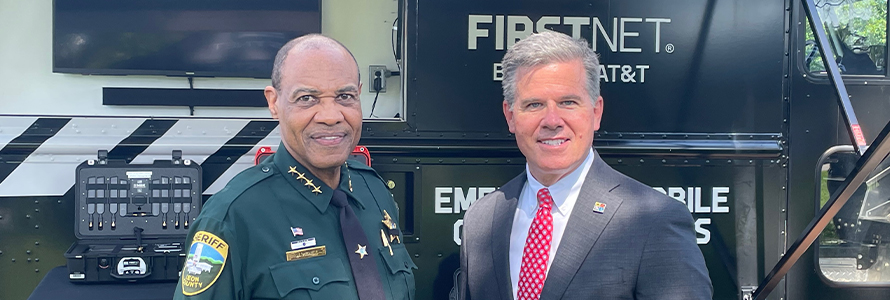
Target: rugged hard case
131,220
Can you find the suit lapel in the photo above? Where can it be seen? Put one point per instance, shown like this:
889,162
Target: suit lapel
584,227
501,227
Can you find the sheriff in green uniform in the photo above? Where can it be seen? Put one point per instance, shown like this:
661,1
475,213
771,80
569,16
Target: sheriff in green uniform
306,223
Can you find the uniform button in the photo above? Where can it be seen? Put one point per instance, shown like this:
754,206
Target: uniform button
265,169
315,280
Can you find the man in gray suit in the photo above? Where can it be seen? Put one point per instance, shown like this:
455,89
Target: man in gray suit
571,227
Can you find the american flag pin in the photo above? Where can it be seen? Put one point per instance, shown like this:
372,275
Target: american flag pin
599,207
296,231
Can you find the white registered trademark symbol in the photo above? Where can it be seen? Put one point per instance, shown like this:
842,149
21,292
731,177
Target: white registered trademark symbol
669,48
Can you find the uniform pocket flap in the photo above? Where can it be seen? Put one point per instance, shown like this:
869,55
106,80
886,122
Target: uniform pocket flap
400,261
311,274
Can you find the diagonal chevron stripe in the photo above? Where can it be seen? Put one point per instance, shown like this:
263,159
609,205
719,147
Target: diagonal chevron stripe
12,127
19,148
216,165
197,138
244,162
41,159
50,169
140,138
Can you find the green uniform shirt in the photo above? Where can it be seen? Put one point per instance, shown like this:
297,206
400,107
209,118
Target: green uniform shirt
240,243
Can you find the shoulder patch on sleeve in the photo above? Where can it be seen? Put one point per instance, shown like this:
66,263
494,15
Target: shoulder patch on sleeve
204,263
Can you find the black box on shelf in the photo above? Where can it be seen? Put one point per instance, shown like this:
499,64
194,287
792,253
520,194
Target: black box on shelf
131,220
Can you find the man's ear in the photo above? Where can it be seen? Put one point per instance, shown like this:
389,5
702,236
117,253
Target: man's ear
597,113
272,100
508,114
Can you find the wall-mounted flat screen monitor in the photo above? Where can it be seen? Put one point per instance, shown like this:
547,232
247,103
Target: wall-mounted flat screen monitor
230,38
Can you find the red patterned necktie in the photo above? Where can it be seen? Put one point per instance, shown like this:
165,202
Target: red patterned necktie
537,250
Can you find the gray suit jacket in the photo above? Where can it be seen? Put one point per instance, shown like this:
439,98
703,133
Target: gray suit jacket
641,247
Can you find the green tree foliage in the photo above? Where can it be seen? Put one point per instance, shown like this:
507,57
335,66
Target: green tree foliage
860,24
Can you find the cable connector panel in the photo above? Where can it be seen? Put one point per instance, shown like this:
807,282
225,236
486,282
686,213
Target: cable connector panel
378,75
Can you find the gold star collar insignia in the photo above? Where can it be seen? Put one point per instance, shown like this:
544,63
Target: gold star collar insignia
301,176
307,182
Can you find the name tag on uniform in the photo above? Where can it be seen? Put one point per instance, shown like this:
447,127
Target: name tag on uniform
304,243
306,253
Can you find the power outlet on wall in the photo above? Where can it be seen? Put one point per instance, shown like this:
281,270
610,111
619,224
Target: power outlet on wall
378,74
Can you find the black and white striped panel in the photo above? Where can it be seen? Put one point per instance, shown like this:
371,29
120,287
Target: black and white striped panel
146,134
241,147
39,155
245,161
30,143
12,128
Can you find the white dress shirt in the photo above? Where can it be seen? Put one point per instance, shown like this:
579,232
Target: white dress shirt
565,193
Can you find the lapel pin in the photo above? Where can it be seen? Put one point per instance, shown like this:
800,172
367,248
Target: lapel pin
387,220
348,175
385,242
305,243
362,251
599,207
296,231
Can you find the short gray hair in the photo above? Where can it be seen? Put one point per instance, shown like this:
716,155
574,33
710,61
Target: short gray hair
312,41
545,48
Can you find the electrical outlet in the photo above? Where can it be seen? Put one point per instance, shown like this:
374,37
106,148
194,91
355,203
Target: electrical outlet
374,72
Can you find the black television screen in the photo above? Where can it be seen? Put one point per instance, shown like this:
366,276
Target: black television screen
231,38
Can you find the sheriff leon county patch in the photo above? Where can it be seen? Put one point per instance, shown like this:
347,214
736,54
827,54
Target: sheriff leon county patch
205,261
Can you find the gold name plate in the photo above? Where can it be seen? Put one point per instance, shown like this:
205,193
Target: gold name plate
306,253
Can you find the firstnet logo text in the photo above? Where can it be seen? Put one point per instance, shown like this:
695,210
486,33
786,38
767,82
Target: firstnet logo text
618,34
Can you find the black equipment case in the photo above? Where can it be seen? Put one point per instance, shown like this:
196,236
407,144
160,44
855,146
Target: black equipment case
131,220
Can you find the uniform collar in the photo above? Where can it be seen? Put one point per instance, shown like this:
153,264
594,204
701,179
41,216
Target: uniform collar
291,169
